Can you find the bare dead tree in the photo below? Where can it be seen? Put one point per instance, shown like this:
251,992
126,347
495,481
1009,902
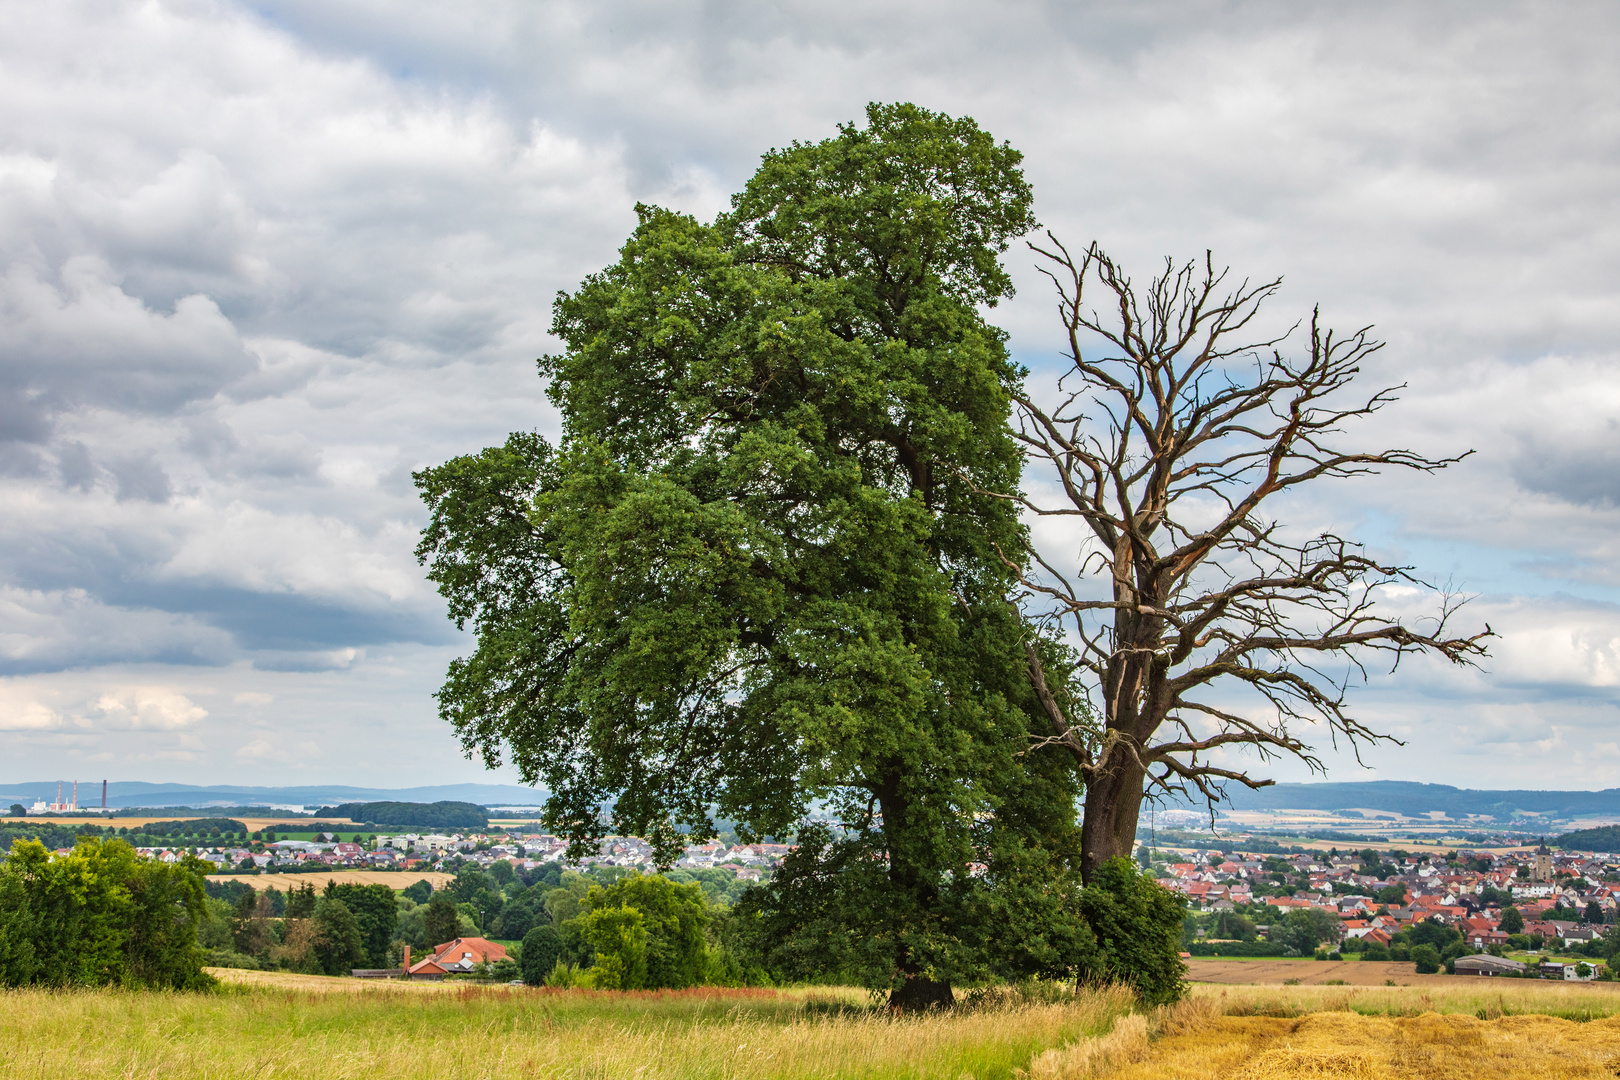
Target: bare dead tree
1166,448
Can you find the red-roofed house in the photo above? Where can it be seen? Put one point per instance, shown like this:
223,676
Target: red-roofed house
459,956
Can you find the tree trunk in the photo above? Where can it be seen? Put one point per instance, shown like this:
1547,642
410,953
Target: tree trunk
1113,804
915,895
918,994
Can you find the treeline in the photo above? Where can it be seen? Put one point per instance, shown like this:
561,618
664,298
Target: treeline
331,933
153,834
438,815
101,916
607,928
1604,838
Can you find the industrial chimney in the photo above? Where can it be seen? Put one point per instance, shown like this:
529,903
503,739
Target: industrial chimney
104,794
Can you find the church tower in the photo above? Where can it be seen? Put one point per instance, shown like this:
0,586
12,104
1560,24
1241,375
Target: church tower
1543,870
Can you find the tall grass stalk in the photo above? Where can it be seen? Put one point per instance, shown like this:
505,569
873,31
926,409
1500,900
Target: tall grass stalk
268,1031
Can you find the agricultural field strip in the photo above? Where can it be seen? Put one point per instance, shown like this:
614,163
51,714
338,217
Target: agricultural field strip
395,879
254,824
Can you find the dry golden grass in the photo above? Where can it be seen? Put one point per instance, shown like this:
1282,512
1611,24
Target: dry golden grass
394,879
279,1025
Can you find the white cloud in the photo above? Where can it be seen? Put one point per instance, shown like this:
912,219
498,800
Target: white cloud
283,753
152,708
256,268
22,710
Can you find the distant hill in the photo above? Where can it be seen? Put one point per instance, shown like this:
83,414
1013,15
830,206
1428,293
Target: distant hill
134,793
1415,800
1606,838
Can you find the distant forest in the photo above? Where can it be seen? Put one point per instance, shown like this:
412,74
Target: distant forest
1606,838
439,815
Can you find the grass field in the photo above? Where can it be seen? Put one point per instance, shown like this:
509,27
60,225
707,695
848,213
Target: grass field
287,1028
275,1025
394,879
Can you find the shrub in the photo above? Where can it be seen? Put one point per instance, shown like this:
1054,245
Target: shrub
1136,924
1427,959
565,976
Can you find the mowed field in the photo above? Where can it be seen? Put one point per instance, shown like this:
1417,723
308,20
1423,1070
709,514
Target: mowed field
394,879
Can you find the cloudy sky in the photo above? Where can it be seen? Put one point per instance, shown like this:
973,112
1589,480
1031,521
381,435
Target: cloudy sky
258,262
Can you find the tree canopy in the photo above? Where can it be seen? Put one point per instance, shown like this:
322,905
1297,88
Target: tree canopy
758,575
101,916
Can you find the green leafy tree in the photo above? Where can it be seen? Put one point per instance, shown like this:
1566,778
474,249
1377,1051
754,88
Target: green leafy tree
101,915
301,901
759,570
674,917
19,810
1231,925
619,936
420,892
250,926
1393,895
1593,912
1427,959
542,948
1512,921
1306,928
1374,950
376,914
567,901
1433,933
514,920
442,922
341,948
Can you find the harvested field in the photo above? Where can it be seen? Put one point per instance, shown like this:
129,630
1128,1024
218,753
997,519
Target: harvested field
254,824
397,880
1195,1042
1351,973
1308,972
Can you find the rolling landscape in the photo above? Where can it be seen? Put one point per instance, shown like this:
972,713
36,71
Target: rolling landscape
1055,540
